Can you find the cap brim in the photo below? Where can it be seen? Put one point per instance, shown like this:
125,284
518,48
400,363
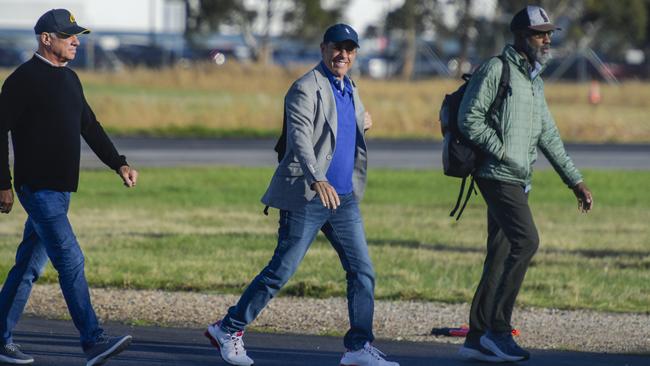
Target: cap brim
544,27
75,30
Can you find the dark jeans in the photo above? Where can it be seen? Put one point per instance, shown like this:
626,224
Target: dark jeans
48,234
512,242
343,227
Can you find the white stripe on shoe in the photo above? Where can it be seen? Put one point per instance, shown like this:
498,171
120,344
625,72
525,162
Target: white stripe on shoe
14,361
473,354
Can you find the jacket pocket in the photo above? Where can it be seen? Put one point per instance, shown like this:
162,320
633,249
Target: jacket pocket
511,166
290,170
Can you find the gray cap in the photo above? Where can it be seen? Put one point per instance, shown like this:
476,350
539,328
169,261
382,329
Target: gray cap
532,18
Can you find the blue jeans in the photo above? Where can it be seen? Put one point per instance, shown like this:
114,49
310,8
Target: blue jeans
48,234
343,227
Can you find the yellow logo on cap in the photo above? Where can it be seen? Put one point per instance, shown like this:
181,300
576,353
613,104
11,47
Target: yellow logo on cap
72,18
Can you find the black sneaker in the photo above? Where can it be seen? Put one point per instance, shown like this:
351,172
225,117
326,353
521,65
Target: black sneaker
105,348
472,350
503,345
11,354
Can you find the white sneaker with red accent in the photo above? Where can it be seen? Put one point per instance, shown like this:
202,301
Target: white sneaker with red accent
367,356
231,346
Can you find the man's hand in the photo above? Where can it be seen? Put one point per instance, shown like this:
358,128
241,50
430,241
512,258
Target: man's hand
583,194
129,175
327,194
367,121
6,200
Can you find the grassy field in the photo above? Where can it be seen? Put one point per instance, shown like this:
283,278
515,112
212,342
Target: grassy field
239,100
202,229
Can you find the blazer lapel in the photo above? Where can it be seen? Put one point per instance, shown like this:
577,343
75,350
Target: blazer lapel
359,115
357,102
329,104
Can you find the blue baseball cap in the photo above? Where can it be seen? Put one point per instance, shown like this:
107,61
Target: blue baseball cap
59,21
339,33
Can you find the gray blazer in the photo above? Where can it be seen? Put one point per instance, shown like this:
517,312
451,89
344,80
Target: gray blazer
310,110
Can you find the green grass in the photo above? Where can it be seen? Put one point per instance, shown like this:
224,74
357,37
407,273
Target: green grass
202,229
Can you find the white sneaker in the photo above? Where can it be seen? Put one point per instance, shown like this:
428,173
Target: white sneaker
231,346
367,356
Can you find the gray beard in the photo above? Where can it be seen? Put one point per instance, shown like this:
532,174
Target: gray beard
535,54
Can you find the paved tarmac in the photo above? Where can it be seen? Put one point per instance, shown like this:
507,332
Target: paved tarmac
160,152
55,343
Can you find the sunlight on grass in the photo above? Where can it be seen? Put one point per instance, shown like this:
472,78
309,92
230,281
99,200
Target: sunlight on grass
201,229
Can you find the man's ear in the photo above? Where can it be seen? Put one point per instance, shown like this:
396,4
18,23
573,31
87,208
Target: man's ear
46,39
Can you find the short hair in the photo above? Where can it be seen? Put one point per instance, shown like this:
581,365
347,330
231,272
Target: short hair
52,34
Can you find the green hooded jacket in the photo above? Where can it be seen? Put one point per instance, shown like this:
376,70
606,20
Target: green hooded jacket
523,125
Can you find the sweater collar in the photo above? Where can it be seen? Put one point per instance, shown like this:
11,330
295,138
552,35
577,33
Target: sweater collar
48,61
339,85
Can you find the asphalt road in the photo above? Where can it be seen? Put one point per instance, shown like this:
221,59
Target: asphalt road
150,152
55,343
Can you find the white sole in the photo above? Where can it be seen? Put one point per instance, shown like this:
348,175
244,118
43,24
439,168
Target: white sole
487,343
472,354
13,361
117,348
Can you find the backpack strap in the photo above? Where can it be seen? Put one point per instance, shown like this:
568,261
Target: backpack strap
460,197
472,188
503,88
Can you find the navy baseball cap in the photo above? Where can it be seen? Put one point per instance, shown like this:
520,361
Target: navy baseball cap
59,21
532,18
339,33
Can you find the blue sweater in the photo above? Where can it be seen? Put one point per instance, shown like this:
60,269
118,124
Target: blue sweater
340,170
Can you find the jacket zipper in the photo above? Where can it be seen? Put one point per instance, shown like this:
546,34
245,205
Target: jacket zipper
530,128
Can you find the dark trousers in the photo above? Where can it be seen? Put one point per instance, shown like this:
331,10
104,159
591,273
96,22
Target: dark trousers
512,242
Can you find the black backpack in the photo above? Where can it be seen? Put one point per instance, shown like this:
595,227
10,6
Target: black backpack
281,145
460,157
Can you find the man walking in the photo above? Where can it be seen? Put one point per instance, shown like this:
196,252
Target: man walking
509,143
43,105
317,186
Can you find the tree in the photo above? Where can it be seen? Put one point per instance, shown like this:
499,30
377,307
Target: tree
307,19
412,18
304,19
207,15
646,43
626,19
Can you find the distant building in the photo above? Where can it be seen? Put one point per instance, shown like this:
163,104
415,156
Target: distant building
132,16
124,32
